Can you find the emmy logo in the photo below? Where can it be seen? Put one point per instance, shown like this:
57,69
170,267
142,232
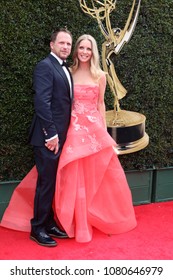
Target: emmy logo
126,127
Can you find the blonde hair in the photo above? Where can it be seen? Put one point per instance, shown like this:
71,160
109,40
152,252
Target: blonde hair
95,68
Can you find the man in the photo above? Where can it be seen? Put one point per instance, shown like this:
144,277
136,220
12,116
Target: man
53,88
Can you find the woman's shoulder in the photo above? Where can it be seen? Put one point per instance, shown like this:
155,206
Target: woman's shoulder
102,78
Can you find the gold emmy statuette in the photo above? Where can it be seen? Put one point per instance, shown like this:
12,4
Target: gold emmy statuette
126,127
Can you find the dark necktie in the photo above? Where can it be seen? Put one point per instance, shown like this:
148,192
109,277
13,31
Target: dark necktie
66,70
64,64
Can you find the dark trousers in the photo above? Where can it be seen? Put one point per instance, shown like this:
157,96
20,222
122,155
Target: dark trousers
47,164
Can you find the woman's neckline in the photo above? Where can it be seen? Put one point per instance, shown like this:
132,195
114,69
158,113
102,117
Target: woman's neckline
94,85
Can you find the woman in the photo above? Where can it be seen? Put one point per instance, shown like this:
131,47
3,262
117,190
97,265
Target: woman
91,187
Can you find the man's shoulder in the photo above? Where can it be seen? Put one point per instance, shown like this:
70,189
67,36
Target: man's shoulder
45,62
50,59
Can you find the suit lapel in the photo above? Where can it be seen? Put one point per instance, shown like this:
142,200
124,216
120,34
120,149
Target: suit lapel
58,67
72,92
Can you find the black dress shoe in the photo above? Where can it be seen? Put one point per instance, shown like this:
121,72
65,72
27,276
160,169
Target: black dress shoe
42,238
56,232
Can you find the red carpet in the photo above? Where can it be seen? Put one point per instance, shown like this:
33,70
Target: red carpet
151,240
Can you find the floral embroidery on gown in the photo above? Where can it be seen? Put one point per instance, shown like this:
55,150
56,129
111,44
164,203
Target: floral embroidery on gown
91,188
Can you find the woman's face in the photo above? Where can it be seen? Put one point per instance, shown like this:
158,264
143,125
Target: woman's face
84,51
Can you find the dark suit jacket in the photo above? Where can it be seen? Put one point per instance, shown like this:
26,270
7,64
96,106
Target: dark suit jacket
52,101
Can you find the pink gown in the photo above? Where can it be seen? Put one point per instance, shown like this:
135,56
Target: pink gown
91,187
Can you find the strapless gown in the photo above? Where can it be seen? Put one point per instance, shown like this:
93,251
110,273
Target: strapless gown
91,186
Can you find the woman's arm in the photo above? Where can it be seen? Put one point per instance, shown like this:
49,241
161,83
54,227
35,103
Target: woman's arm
101,103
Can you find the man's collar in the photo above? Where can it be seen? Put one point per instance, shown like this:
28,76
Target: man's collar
59,59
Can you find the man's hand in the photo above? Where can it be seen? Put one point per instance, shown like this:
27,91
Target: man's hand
53,145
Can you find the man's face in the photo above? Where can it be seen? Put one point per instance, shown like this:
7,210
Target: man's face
62,45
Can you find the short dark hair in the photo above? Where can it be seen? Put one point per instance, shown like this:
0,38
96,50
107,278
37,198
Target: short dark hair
55,33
